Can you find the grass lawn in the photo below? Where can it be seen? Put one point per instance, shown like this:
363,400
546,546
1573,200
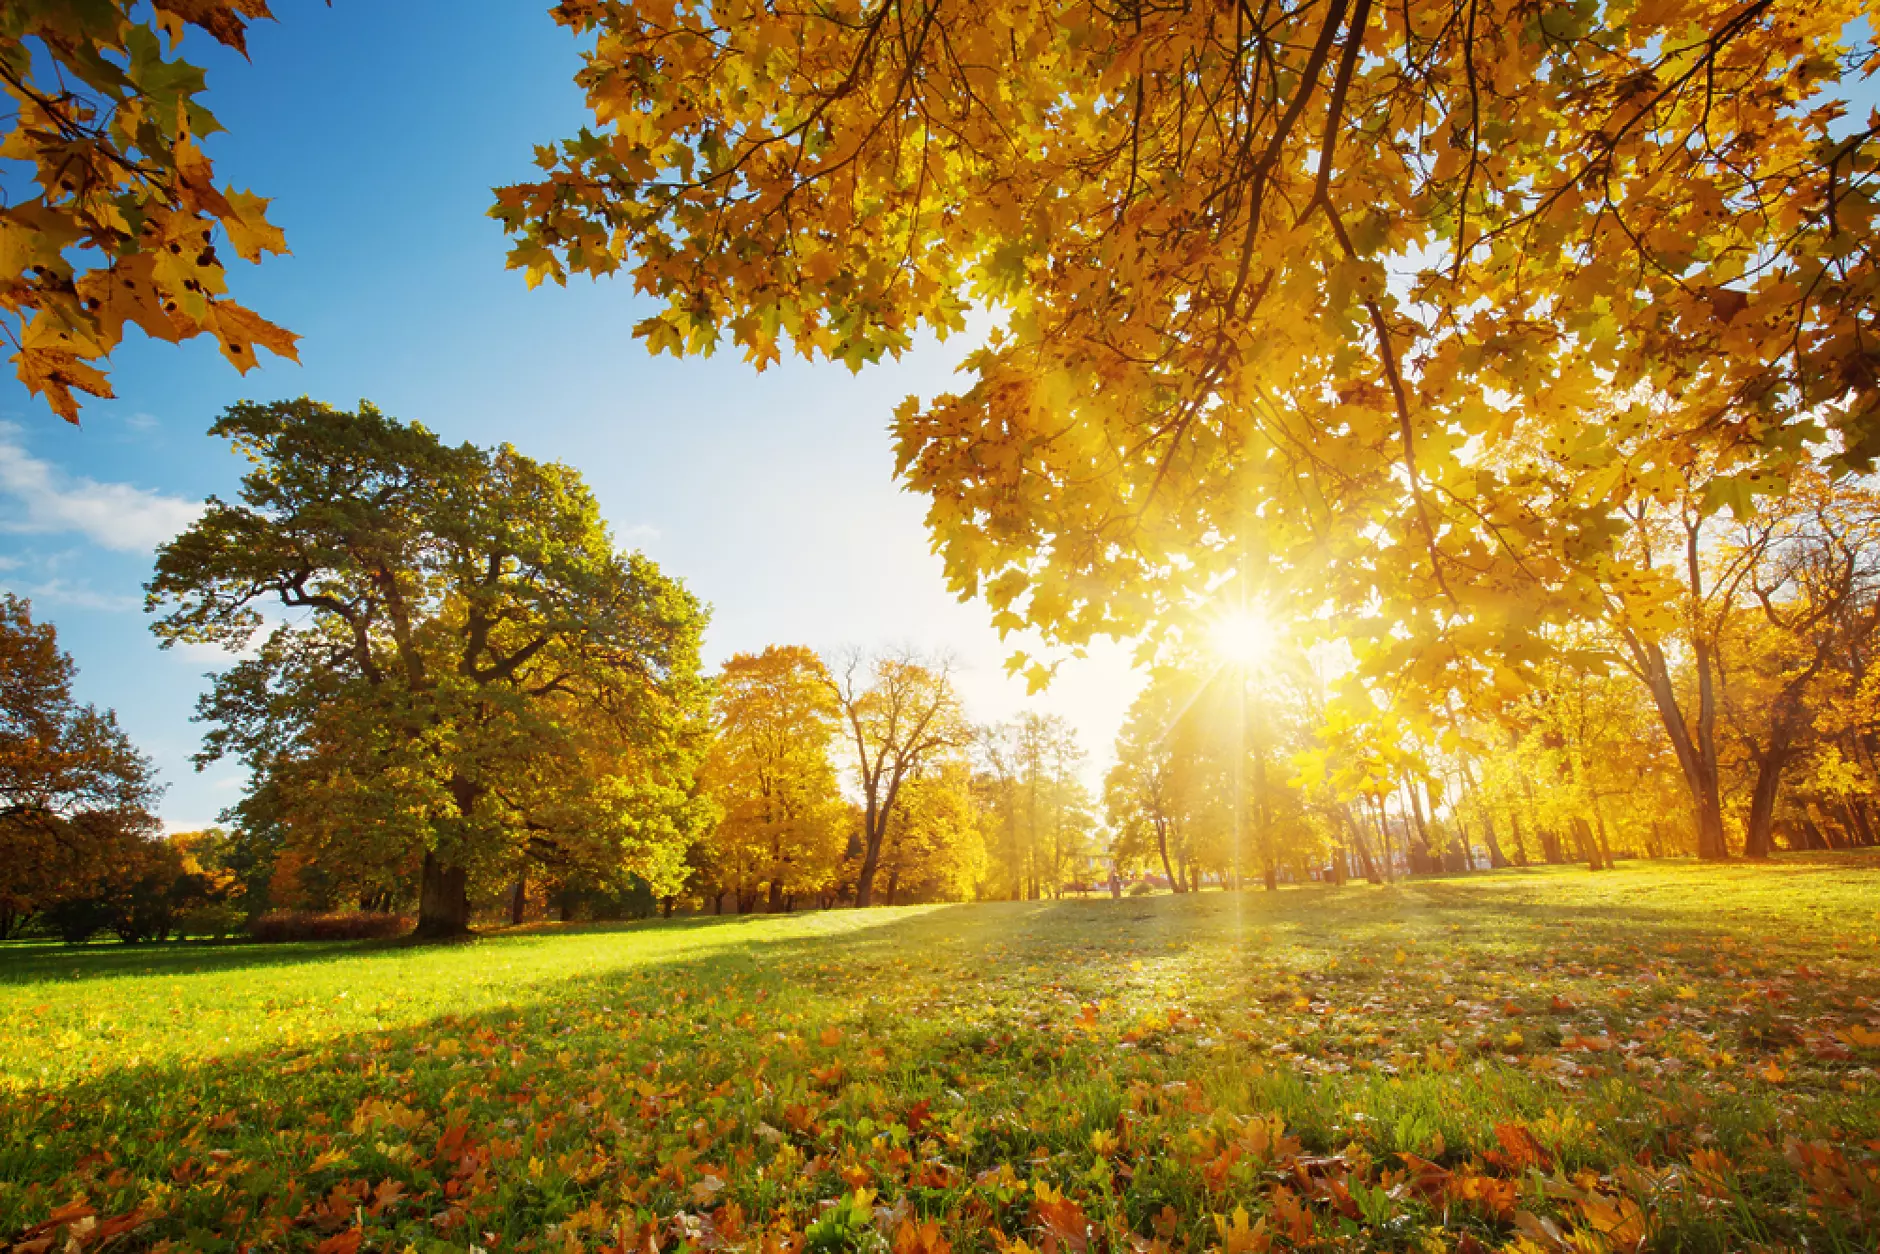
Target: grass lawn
1659,1056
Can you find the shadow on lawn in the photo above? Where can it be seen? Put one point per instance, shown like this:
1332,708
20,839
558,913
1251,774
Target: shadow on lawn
30,964
150,1109
1509,893
34,962
1475,918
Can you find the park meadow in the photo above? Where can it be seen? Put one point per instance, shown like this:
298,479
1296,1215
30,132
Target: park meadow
1661,1055
940,627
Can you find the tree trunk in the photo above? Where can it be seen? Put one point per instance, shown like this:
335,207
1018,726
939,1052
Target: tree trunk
1359,847
443,900
774,903
1583,836
1421,860
1697,757
1388,859
1857,824
1497,860
1161,840
519,900
1757,842
871,860
1599,834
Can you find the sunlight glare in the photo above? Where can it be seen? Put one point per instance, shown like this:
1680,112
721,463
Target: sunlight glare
1243,637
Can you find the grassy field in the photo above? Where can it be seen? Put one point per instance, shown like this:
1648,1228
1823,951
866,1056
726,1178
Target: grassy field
1669,1057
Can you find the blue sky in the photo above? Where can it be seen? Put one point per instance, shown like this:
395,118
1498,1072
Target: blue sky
378,130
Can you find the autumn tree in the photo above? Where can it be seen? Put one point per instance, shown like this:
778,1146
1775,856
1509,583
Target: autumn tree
1039,812
123,221
899,712
1813,611
1283,275
782,829
935,849
460,676
75,797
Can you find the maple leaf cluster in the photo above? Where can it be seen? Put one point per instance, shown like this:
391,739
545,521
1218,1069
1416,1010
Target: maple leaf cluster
125,223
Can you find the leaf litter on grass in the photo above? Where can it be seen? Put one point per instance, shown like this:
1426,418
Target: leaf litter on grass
1658,1057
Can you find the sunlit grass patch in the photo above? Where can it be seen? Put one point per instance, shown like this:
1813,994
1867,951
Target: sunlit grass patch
1677,1055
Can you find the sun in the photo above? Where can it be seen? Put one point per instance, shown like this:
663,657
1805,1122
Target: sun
1243,637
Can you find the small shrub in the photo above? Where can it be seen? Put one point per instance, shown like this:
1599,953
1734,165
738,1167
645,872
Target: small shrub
1140,889
78,920
308,926
216,919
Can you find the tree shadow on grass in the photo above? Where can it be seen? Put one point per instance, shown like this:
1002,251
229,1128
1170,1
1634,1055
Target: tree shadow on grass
604,1042
604,1046
33,964
36,962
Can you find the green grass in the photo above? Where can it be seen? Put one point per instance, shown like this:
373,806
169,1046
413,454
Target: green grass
1676,1056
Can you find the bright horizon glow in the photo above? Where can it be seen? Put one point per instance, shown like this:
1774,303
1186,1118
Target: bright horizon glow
1243,637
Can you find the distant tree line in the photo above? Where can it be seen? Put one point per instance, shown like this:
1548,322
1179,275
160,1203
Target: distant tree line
454,696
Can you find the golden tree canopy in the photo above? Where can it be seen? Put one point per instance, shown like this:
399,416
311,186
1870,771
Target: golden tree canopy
1267,277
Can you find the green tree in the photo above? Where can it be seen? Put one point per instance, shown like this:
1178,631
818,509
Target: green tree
475,680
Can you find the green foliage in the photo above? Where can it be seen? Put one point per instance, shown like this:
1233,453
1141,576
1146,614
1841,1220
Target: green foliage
475,679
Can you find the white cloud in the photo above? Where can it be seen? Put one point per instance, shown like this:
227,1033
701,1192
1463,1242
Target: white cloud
37,497
638,533
78,595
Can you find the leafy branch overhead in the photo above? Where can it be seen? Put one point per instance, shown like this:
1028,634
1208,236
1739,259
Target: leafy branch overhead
1301,264
125,220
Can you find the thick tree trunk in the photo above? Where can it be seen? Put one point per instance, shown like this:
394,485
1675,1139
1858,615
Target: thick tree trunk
519,900
1857,823
443,900
874,830
774,903
1696,756
1550,846
1583,836
1497,860
1758,841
